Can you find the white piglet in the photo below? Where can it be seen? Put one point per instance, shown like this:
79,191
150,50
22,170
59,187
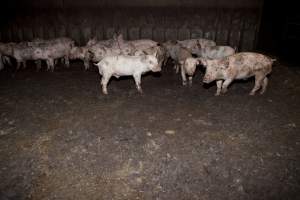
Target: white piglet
124,65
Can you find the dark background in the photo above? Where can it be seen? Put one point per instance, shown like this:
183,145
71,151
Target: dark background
280,30
268,26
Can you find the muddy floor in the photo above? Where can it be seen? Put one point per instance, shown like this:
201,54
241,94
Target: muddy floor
60,138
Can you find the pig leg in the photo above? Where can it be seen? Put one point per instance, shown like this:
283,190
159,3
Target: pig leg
67,62
24,64
104,80
6,60
51,65
183,76
264,85
38,65
176,68
225,85
137,79
165,61
86,64
219,87
48,65
257,85
190,80
18,64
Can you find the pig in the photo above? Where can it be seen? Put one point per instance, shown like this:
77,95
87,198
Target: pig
82,54
168,46
62,45
6,50
182,55
238,66
141,44
98,52
53,51
53,40
188,67
171,47
215,52
107,43
22,52
124,65
177,52
159,51
196,44
43,53
48,51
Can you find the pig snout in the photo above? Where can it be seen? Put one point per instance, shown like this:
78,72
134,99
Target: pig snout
207,79
156,68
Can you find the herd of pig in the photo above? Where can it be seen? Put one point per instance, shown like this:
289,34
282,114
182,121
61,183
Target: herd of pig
118,57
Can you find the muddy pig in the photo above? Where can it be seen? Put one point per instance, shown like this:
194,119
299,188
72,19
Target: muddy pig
238,66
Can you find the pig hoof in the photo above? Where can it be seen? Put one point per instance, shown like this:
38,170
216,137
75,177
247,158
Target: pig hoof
184,83
252,93
262,92
217,94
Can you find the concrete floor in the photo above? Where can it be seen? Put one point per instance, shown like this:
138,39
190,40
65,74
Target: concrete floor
60,138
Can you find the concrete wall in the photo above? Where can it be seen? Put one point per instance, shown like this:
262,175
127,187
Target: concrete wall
234,22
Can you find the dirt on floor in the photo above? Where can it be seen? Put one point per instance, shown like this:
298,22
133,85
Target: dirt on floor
61,138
